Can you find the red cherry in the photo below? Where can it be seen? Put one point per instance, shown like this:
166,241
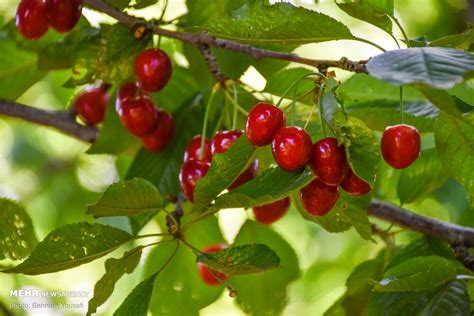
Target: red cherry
31,18
400,145
193,150
354,185
90,105
263,122
153,69
138,115
63,15
270,213
161,136
249,174
223,140
128,90
318,198
191,171
291,148
207,276
329,161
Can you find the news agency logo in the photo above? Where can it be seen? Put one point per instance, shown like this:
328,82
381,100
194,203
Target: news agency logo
38,293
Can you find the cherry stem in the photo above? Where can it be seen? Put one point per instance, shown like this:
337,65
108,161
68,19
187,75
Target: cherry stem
232,291
206,119
401,104
295,83
194,249
152,235
235,104
317,104
405,36
293,105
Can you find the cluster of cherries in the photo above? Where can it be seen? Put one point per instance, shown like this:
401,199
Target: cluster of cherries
34,17
135,108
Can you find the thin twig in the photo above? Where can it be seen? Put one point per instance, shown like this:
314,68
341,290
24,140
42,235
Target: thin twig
212,64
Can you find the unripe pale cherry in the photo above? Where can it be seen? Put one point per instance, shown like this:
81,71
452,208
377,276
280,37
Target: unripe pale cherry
400,145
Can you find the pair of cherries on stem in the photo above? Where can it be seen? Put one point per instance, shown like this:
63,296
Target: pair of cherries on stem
34,17
196,165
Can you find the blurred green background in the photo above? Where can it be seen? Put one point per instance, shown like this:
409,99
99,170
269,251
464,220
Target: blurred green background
53,178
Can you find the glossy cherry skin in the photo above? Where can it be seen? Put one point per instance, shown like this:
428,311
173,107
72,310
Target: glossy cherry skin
128,90
162,134
269,213
193,150
207,276
31,18
249,174
223,140
329,162
319,198
91,104
153,69
138,115
400,145
63,15
354,185
191,171
291,148
263,122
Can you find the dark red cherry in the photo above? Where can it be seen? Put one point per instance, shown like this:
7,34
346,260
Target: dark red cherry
191,171
354,185
63,15
128,90
193,150
207,276
270,213
31,19
153,69
91,104
223,140
329,161
138,115
162,134
249,174
400,145
263,122
291,148
319,198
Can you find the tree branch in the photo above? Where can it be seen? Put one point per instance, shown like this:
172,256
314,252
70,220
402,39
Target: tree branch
212,64
199,39
453,234
62,121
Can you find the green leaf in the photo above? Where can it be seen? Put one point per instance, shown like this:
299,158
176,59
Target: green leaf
278,24
416,274
244,259
464,91
281,81
178,289
225,168
455,144
271,296
137,302
452,299
70,246
273,185
201,11
436,67
422,177
462,40
126,198
162,169
114,270
17,236
368,12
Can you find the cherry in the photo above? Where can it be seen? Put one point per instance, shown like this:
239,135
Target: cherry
291,148
191,171
138,115
249,174
128,90
319,198
153,69
263,122
193,150
31,18
329,161
354,185
90,105
270,213
63,15
221,143
207,276
161,136
400,145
